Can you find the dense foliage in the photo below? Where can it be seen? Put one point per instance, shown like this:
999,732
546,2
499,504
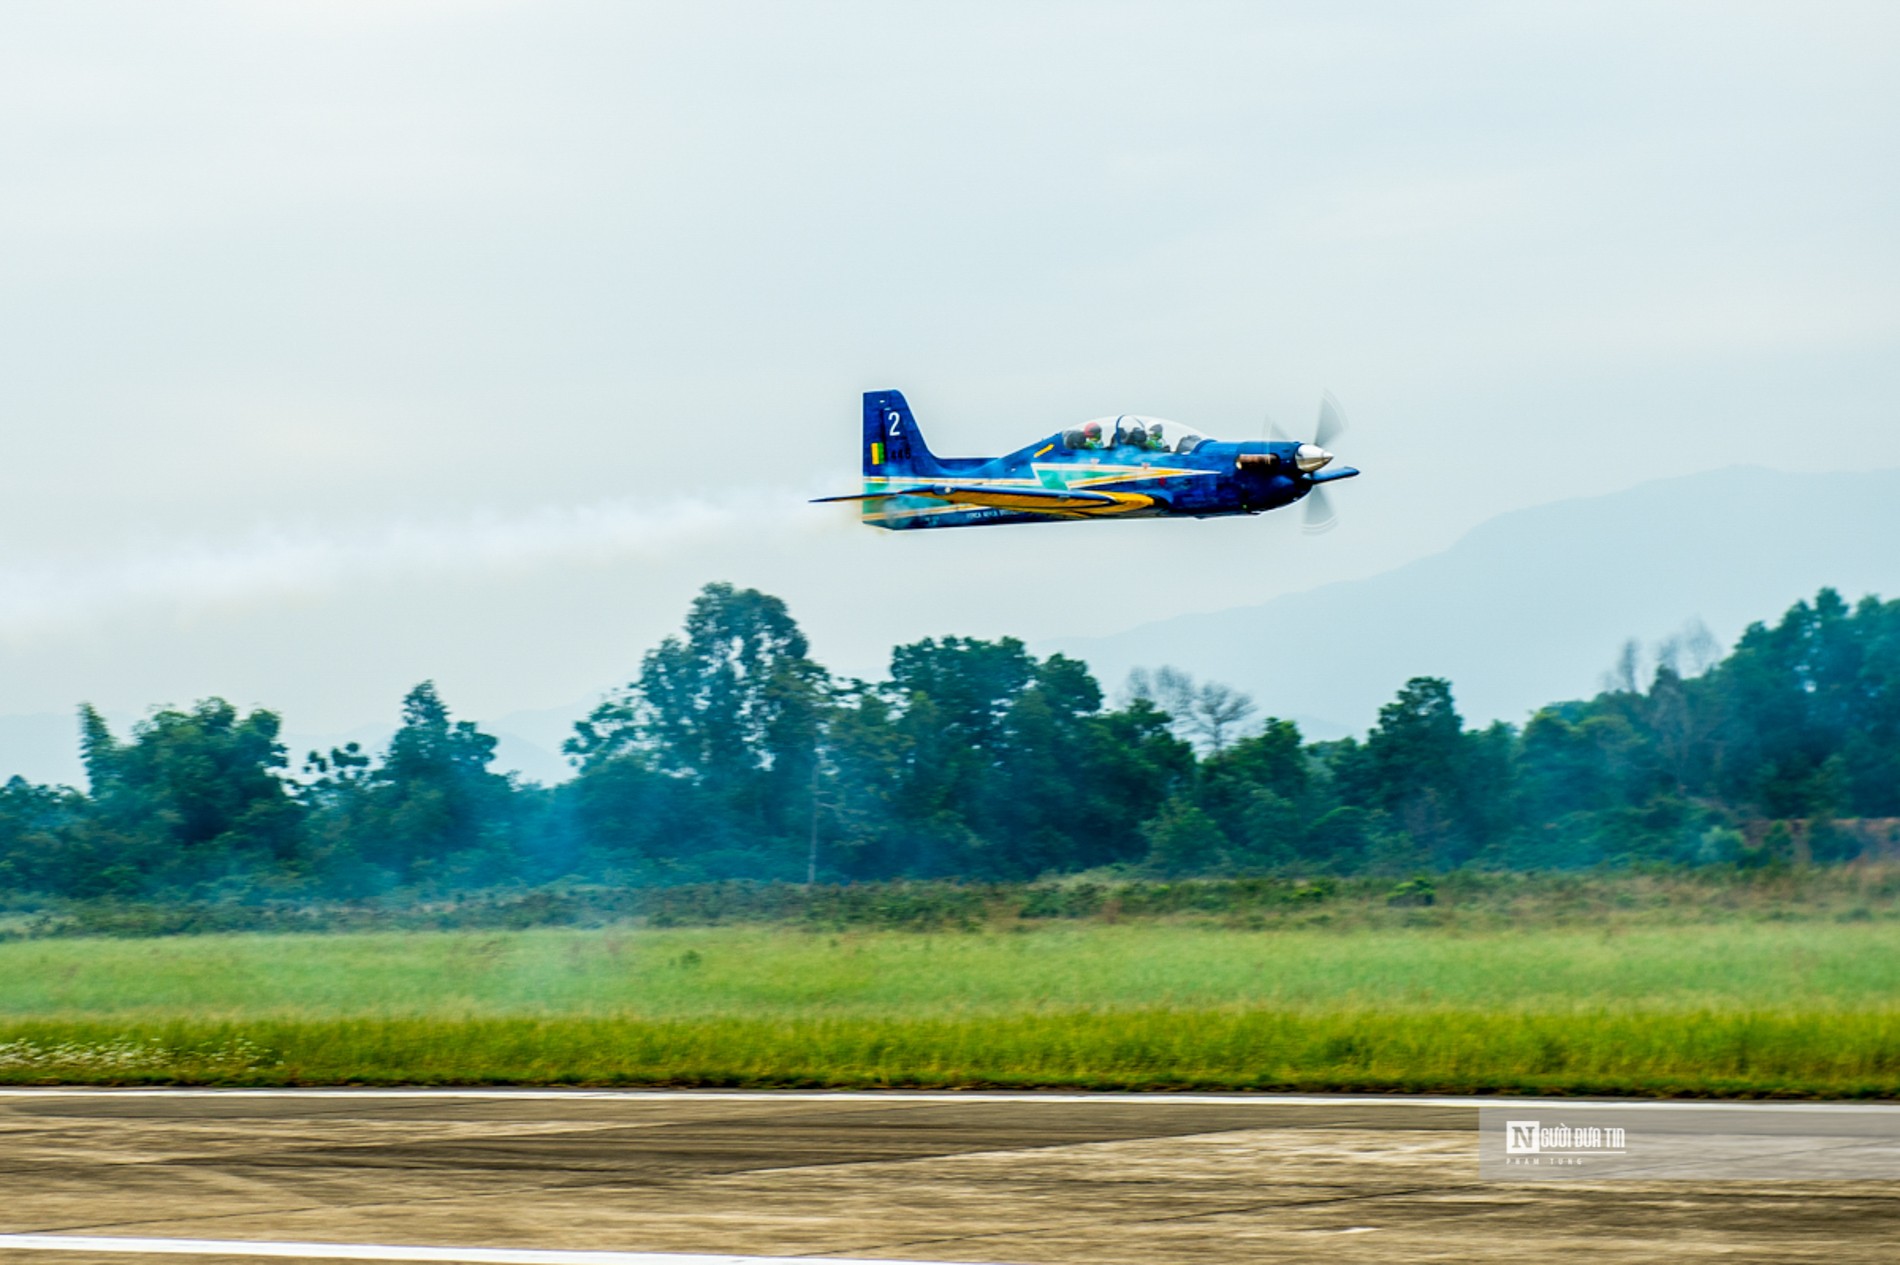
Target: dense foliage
733,754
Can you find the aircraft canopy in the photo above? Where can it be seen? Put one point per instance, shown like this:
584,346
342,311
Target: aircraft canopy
1153,434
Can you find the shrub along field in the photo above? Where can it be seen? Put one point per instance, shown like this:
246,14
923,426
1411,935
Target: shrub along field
1745,1006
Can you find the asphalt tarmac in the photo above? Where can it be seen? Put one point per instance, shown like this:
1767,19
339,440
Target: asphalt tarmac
968,1178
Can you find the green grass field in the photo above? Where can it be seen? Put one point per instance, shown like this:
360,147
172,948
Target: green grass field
1736,1008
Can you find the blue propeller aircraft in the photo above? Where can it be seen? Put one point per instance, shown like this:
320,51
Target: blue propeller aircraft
1113,467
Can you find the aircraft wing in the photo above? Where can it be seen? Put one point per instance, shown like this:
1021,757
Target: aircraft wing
1013,497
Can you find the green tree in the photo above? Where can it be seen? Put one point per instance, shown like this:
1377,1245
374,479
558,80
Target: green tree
1135,764
953,697
1254,790
1043,780
196,795
431,810
860,814
43,844
1414,768
1184,841
734,703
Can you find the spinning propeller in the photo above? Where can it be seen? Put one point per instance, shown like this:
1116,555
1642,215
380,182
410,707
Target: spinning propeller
1310,458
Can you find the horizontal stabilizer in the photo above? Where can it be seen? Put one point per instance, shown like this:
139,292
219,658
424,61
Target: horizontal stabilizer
871,496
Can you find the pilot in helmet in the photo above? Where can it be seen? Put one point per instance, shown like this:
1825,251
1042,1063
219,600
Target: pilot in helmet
1092,435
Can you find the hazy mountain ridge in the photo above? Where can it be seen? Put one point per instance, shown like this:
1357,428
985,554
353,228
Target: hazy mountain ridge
1531,607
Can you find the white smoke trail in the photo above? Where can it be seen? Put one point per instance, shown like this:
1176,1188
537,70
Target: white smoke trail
277,563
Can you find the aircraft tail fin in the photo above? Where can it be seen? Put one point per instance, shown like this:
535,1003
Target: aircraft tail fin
893,446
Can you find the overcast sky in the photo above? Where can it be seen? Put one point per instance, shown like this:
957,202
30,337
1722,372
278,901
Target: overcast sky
347,344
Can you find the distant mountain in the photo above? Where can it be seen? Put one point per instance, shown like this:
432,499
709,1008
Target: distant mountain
530,741
1532,606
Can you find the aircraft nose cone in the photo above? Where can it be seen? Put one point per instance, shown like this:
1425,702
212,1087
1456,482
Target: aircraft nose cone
1311,457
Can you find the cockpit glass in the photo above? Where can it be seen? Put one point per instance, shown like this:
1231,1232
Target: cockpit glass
1132,431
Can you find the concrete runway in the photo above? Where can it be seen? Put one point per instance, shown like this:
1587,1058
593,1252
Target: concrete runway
1024,1179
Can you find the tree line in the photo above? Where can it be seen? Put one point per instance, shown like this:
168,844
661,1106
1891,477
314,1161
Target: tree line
732,754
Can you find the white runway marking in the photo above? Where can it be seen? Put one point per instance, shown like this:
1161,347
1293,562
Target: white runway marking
393,1252
896,1095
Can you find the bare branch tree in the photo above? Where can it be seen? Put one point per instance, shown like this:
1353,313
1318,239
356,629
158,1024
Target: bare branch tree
1207,714
1625,675
1217,709
1689,651
1669,654
1174,693
1700,649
